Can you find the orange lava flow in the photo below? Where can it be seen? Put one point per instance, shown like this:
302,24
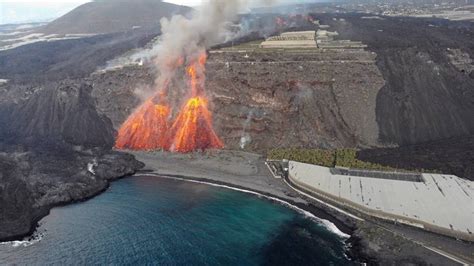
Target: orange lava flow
149,127
146,129
193,129
195,73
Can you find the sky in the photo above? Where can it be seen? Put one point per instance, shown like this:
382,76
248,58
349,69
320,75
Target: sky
24,11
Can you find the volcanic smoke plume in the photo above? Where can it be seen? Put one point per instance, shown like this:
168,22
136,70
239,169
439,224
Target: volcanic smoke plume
183,44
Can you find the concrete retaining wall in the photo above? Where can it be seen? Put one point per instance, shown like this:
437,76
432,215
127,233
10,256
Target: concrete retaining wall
364,211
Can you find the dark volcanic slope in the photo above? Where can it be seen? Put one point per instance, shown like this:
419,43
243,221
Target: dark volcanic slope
54,145
32,182
62,112
77,58
450,156
109,16
54,149
16,203
426,97
122,25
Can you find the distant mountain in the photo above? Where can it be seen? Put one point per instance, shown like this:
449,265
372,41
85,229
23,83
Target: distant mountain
108,16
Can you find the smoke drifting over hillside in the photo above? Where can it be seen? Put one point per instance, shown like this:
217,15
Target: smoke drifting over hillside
184,35
156,124
184,38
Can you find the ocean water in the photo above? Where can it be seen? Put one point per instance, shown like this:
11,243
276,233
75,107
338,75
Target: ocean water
158,221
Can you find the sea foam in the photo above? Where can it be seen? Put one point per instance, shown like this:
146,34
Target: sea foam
327,224
25,242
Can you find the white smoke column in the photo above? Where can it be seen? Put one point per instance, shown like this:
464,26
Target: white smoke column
245,138
184,39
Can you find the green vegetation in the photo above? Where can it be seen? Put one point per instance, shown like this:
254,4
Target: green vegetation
332,158
312,156
328,158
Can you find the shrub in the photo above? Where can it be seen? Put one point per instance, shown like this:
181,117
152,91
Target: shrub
328,158
312,156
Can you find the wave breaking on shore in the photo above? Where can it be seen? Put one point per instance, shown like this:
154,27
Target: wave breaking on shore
327,224
26,242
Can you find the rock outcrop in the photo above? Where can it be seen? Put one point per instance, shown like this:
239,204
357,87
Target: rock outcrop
16,202
34,181
62,111
55,149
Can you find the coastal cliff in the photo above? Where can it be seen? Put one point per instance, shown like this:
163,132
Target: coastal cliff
35,181
56,149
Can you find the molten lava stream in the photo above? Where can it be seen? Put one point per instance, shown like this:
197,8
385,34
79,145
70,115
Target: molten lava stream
146,129
192,129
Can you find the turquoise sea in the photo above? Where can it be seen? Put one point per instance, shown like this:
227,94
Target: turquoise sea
157,221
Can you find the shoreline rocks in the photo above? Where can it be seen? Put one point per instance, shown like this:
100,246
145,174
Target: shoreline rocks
35,181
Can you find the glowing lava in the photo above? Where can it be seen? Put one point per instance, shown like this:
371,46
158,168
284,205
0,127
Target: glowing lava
193,130
146,129
195,73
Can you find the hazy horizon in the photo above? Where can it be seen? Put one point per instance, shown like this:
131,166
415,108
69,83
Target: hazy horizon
29,11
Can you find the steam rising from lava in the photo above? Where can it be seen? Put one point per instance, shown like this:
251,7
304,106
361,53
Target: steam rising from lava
183,43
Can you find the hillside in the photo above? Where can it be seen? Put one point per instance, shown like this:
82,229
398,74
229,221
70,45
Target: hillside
110,16
74,58
428,92
410,87
65,53
56,112
407,87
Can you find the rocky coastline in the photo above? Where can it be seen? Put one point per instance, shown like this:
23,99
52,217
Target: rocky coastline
368,242
37,181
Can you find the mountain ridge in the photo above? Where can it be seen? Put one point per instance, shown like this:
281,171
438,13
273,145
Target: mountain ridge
101,17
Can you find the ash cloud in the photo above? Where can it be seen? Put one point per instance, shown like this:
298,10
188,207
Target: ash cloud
185,37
